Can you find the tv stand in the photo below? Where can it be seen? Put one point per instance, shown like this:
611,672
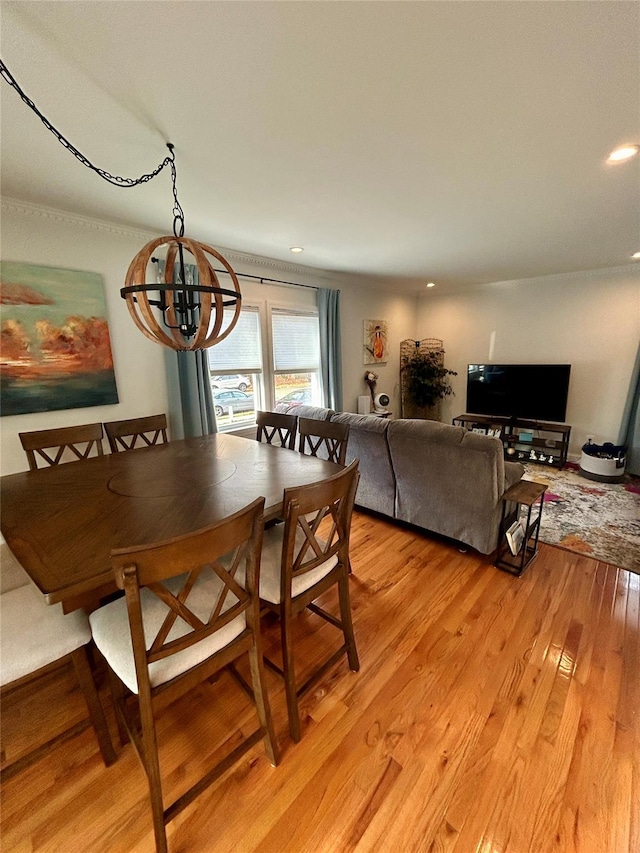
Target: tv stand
523,440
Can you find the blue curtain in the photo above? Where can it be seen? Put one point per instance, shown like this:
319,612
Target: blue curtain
630,427
190,401
191,411
330,347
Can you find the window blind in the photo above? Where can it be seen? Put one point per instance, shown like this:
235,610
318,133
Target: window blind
241,350
296,344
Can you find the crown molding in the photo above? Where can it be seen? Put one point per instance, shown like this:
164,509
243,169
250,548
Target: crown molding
77,220
552,278
27,208
569,276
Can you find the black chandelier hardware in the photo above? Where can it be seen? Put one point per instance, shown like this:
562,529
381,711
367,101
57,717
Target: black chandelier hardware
192,313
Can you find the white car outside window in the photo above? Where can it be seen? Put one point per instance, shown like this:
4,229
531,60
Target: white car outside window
234,380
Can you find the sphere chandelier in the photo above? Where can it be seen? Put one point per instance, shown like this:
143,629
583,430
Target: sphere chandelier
192,311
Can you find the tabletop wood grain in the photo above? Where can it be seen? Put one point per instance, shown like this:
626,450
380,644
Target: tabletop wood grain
62,522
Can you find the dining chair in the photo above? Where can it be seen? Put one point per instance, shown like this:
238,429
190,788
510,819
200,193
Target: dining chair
326,437
273,425
124,435
298,566
79,441
34,635
184,617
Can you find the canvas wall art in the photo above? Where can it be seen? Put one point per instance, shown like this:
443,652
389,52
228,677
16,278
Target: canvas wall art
376,349
55,345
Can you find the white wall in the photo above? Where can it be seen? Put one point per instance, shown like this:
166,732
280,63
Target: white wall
357,304
589,320
37,235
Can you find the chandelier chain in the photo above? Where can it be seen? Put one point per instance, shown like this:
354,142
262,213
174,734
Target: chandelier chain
187,310
116,180
178,213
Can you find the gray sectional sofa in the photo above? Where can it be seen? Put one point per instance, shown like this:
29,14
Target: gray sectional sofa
441,478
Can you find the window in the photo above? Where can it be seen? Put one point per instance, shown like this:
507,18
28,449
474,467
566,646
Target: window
296,356
235,365
252,371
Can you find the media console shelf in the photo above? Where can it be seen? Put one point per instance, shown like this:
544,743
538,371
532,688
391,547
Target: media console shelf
523,440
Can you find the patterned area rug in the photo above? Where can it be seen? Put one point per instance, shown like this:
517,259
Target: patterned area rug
601,520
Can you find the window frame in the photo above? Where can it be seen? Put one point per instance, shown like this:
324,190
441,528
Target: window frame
264,380
305,311
257,376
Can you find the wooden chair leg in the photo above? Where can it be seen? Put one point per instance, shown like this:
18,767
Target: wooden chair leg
262,704
347,624
96,713
118,695
151,764
289,677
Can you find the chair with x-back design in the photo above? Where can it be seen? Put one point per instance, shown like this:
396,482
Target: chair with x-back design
299,565
183,618
61,445
276,428
324,438
36,636
141,432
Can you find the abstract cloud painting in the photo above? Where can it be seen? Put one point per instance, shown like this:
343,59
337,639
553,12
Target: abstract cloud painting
55,345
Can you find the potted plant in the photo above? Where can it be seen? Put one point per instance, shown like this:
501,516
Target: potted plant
426,381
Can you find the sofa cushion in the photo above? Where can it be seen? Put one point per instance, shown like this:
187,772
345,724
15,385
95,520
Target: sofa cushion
368,443
448,480
318,413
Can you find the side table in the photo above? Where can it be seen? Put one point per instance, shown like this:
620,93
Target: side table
526,493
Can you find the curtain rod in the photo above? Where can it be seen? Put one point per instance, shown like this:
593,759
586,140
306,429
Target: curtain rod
262,278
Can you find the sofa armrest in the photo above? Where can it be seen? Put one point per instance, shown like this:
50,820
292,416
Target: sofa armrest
368,443
513,472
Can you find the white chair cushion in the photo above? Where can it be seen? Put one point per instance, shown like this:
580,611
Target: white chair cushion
271,561
112,635
12,575
34,633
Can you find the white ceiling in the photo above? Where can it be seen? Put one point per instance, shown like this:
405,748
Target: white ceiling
459,142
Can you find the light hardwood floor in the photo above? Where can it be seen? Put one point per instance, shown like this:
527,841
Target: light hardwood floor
491,715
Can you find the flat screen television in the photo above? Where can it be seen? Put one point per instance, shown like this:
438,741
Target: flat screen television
529,391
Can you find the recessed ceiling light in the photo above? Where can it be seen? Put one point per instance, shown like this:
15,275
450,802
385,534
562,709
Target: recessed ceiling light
296,250
431,284
636,256
624,152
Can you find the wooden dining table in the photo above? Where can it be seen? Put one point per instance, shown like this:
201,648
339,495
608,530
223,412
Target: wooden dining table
62,522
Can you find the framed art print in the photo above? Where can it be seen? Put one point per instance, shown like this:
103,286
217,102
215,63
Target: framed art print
376,333
56,348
